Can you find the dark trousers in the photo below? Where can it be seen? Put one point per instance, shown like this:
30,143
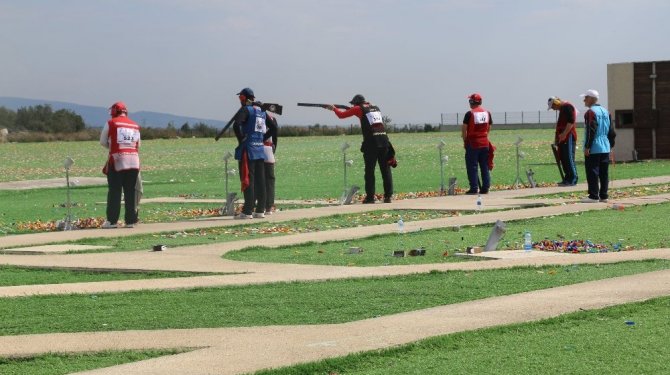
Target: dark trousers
371,157
478,158
254,195
269,186
597,174
117,182
566,151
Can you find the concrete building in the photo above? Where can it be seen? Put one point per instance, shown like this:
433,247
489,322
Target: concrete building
639,102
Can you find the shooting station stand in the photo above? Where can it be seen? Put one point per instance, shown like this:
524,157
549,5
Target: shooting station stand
66,224
349,193
229,208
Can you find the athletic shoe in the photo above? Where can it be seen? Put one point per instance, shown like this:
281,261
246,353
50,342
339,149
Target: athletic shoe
589,200
132,225
604,200
387,200
484,192
268,212
258,215
243,216
108,225
369,201
471,192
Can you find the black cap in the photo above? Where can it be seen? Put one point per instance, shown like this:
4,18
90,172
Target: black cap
249,93
358,99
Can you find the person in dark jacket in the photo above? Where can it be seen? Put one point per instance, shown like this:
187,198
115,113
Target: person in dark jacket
376,147
270,146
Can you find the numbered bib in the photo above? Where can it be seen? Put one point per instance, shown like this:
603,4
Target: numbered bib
374,117
260,125
481,118
127,137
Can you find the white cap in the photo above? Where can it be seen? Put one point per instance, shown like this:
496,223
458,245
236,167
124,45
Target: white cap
592,93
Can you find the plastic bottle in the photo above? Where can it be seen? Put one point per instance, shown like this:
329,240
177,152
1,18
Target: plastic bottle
479,203
401,225
527,241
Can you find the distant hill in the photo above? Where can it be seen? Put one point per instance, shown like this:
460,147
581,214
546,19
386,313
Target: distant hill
96,116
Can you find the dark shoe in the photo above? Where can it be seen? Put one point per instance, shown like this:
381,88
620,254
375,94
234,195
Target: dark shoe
484,192
387,199
368,201
471,192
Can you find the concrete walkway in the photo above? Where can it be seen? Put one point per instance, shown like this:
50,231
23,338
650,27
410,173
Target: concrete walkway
236,350
242,350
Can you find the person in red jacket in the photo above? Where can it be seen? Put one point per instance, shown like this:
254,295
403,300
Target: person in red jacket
475,131
376,147
565,138
121,136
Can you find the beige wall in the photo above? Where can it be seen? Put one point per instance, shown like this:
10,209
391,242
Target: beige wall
620,96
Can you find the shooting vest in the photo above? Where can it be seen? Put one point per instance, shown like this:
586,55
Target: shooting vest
372,127
124,142
253,131
601,144
478,128
562,121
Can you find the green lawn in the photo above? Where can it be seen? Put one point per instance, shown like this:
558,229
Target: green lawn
307,168
334,301
57,364
630,232
585,342
258,230
15,275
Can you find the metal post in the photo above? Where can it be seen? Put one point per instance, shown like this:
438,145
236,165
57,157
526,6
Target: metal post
505,117
67,223
522,117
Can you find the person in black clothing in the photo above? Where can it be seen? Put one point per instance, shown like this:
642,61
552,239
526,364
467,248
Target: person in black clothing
270,144
376,147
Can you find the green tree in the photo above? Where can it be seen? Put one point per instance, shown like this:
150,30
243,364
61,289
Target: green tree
7,118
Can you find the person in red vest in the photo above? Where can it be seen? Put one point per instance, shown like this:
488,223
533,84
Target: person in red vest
565,138
475,131
121,136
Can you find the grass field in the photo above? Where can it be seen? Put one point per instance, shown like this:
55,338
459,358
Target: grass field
323,302
307,168
12,275
631,233
61,364
586,342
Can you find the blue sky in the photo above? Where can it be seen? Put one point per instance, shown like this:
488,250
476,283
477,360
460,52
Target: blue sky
415,59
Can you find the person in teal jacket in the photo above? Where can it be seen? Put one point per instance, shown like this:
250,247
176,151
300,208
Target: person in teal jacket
598,140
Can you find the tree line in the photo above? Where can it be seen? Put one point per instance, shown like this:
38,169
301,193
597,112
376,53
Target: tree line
41,123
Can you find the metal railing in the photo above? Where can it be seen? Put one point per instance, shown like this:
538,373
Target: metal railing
505,118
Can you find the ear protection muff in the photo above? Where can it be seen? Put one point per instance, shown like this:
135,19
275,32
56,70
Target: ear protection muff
554,101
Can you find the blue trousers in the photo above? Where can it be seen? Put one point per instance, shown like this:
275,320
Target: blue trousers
567,154
478,158
597,174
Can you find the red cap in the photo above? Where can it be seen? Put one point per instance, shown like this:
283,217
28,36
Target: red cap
475,97
118,107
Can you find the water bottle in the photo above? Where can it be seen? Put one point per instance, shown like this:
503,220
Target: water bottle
479,203
527,241
401,225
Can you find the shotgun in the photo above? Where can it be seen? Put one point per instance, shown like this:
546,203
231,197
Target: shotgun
340,106
554,150
272,107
